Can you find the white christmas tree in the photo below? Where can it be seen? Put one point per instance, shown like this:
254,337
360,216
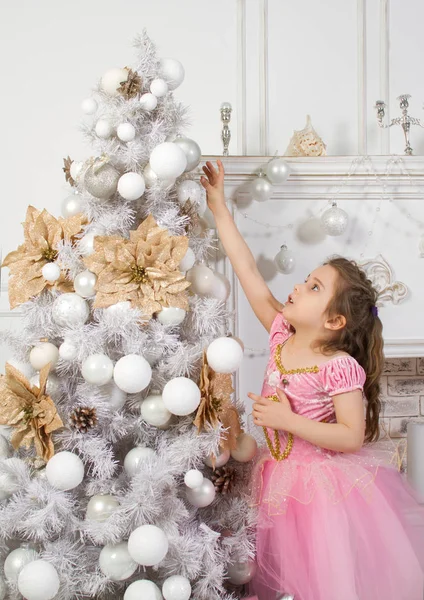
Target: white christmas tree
124,467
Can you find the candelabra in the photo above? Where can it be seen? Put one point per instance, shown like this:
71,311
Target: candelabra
225,118
405,120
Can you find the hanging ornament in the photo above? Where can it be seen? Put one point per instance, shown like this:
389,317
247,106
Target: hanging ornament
132,373
131,186
277,170
84,284
42,354
203,495
51,272
176,587
67,162
168,160
101,507
148,545
334,220
193,478
112,81
221,287
218,461
131,86
16,561
103,129
181,396
89,106
159,87
201,279
101,178
83,419
260,189
126,132
71,206
189,190
224,355
135,457
306,142
38,580
143,588
154,411
70,310
171,316
116,563
285,260
187,261
223,479
148,102
245,449
241,573
192,151
65,471
172,72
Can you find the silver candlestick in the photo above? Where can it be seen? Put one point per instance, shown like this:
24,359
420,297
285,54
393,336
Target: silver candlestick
226,109
405,120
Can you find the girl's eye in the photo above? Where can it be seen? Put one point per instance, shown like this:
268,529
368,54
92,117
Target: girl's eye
315,286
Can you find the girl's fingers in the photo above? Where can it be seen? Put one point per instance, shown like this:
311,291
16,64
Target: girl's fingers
220,167
205,183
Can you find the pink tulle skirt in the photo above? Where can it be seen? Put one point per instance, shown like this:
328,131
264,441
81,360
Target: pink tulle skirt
335,526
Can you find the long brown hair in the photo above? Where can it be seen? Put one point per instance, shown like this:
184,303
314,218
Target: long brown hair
355,298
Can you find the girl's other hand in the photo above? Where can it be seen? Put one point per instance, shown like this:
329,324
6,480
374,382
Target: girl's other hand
214,185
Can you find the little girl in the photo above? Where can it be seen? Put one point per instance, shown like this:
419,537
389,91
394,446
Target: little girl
332,514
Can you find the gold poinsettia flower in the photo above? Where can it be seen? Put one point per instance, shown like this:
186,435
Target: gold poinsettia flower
143,269
42,234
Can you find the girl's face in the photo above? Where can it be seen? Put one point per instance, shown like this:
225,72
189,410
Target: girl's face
306,306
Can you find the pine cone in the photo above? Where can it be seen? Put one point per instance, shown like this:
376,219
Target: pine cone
67,170
132,86
83,418
189,209
223,479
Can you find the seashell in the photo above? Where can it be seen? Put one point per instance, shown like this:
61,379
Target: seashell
306,142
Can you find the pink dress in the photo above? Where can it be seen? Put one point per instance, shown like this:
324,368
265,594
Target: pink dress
331,525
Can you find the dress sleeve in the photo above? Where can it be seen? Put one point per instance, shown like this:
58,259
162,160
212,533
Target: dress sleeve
342,375
279,332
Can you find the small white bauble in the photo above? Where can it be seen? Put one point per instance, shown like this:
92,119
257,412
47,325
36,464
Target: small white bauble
154,411
285,260
113,79
148,545
224,355
86,243
241,573
193,478
116,563
220,460
126,132
8,482
246,448
67,351
5,447
277,170
70,310
89,106
176,587
100,507
65,471
191,150
16,560
53,387
132,373
159,88
188,261
131,186
42,354
261,189
148,102
143,589
76,168
221,287
38,580
171,315
115,397
103,129
71,206
203,495
168,161
201,278
172,72
51,272
181,396
3,589
97,369
84,284
134,458
150,177
190,190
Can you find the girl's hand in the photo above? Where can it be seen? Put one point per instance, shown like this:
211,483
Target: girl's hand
267,413
214,185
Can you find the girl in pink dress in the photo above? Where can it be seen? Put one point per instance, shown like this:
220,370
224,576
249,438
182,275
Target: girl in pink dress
336,520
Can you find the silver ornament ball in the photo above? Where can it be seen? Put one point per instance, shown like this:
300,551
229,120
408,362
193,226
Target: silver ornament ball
116,563
241,572
192,151
277,170
101,181
16,560
285,260
260,189
203,495
84,284
71,206
100,507
334,221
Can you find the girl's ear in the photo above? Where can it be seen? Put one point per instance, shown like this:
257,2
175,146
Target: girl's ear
336,323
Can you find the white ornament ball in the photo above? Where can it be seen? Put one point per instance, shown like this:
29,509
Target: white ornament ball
188,261
148,545
176,587
148,102
190,190
246,448
8,482
171,315
65,471
84,284
67,351
134,458
119,307
113,79
115,397
116,563
126,132
42,354
71,206
154,411
86,243
203,495
100,507
181,396
97,369
220,460
201,278
277,170
192,151
150,177
159,87
103,129
16,560
261,189
89,107
224,355
193,478
168,161
132,373
143,589
221,287
38,580
131,186
241,573
70,310
5,447
285,260
51,272
172,72
334,220
75,169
